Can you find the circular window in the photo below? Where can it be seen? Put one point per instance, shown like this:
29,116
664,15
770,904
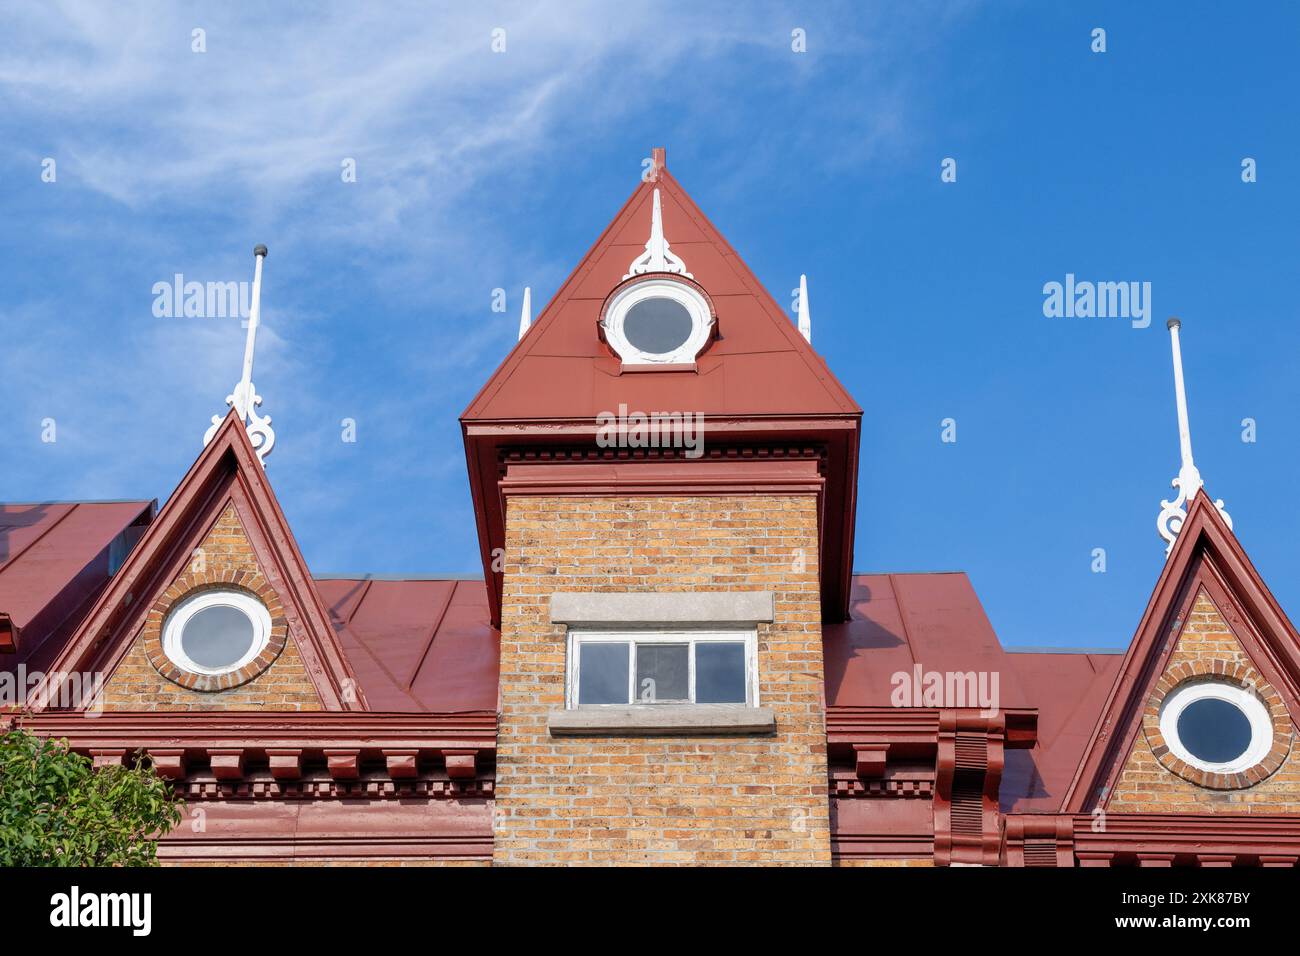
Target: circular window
657,325
657,321
1214,730
216,632
1216,727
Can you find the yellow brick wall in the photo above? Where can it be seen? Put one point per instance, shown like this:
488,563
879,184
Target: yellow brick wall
1145,786
699,800
136,685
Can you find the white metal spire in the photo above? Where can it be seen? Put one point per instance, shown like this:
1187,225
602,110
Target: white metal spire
805,319
526,315
1188,483
657,256
244,399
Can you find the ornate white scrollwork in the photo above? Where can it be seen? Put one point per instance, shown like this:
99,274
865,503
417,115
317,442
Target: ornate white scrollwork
657,256
245,401
1174,513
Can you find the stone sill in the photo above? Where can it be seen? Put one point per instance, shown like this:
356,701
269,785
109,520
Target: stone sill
662,720
623,608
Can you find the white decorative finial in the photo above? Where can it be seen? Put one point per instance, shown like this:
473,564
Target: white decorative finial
526,316
244,399
1188,483
657,256
805,320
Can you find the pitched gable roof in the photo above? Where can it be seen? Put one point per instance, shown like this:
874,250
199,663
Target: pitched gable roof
54,556
227,470
757,383
1068,689
1206,555
562,369
899,621
417,646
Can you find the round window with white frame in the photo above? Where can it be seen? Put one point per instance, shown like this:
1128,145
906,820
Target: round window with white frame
657,321
1216,727
216,632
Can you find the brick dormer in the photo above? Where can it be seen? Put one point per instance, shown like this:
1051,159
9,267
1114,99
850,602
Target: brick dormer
661,601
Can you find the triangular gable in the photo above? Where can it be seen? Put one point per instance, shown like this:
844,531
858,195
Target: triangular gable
561,368
226,482
1207,565
758,382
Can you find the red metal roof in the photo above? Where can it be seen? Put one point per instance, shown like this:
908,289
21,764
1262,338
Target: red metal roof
53,558
936,621
900,620
1068,690
417,646
563,369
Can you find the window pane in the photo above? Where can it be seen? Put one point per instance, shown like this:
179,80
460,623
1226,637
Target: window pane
217,636
719,673
602,673
1214,730
657,325
662,672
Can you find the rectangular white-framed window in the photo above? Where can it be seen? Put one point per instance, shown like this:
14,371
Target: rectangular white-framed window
662,667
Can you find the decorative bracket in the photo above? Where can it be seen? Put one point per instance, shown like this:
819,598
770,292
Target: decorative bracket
869,760
285,764
461,764
657,256
968,773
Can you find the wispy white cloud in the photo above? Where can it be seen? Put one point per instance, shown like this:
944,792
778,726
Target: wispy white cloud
178,161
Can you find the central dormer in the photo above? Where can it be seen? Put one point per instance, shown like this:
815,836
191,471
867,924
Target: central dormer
661,317
663,474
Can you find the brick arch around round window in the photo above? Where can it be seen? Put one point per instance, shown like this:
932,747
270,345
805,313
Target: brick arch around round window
192,583
1238,675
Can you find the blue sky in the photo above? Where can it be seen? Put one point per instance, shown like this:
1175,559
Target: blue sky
478,170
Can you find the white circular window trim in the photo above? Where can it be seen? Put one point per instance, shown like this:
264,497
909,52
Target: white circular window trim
639,291
1243,698
184,610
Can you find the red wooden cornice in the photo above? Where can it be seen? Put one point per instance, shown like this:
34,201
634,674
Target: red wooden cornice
742,476
311,729
1152,839
914,731
953,756
318,754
